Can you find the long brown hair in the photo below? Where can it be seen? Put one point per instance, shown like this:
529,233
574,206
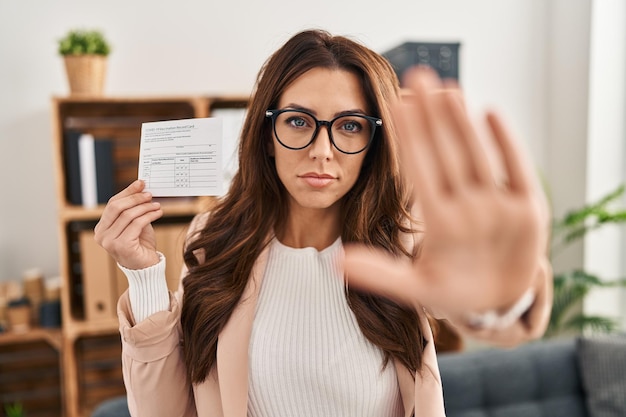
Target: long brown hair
374,212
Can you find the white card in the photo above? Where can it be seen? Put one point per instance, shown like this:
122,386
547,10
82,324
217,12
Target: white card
180,158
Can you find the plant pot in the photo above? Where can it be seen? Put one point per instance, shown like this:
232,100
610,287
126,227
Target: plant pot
85,74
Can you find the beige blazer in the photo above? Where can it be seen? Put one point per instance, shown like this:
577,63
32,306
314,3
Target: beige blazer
157,384
156,380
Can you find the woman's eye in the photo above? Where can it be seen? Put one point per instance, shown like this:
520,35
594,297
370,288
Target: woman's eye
297,122
352,126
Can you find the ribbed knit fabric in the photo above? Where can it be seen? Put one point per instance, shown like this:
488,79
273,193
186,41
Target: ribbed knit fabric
147,289
308,357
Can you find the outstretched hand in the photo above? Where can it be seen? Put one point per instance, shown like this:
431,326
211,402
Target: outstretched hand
484,237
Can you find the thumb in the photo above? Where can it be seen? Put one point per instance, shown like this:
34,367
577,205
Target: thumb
376,271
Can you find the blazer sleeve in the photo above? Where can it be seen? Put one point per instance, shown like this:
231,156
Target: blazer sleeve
153,364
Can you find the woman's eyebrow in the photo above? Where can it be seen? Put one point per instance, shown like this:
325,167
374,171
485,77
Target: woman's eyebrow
295,106
351,111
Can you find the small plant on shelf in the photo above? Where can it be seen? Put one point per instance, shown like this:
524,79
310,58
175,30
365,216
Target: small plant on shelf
14,410
84,53
84,42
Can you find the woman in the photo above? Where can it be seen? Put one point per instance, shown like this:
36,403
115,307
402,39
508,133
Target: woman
264,323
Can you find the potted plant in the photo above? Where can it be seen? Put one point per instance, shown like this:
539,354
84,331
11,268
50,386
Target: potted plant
14,410
571,287
85,55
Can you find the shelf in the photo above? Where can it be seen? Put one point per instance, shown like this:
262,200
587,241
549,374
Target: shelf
51,336
85,123
171,207
88,343
80,328
31,371
231,100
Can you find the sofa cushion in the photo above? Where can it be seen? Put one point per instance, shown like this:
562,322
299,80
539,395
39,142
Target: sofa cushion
603,368
113,407
540,379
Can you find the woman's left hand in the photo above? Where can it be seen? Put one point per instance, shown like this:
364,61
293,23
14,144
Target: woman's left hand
484,238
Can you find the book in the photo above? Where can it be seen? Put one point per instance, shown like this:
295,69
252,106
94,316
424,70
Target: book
99,282
72,167
105,176
87,163
92,179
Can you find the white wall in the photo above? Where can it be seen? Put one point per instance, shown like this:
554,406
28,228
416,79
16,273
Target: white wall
567,106
606,150
554,67
195,47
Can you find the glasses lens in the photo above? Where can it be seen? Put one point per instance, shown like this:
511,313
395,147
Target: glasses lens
295,129
352,133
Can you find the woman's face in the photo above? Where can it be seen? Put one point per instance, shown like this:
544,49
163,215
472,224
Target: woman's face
318,176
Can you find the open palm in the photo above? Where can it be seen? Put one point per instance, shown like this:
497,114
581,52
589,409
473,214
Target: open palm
484,237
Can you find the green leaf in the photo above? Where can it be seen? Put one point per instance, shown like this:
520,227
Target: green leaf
570,289
578,216
80,42
14,410
577,223
567,294
595,324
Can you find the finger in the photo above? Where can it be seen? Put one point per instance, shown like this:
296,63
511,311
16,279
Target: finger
517,167
128,217
135,187
417,158
137,225
475,158
117,205
124,247
438,128
376,271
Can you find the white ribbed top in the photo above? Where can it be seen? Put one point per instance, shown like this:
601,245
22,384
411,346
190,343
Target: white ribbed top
308,357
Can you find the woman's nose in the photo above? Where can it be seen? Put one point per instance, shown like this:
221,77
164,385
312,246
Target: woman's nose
322,146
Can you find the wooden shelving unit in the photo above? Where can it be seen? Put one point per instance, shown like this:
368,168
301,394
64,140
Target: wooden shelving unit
53,337
88,347
31,371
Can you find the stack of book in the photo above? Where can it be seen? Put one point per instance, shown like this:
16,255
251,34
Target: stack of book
89,167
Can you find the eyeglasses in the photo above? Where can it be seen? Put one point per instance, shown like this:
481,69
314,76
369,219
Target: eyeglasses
297,129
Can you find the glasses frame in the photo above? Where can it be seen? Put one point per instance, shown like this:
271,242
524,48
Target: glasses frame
374,122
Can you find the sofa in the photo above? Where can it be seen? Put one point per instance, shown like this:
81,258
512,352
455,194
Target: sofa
574,377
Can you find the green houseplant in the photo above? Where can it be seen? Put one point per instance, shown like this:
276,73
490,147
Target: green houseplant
14,410
571,287
85,55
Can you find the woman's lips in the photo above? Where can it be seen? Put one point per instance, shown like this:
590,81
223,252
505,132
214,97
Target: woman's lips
317,180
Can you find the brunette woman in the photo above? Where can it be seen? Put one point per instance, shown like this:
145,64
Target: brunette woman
272,319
